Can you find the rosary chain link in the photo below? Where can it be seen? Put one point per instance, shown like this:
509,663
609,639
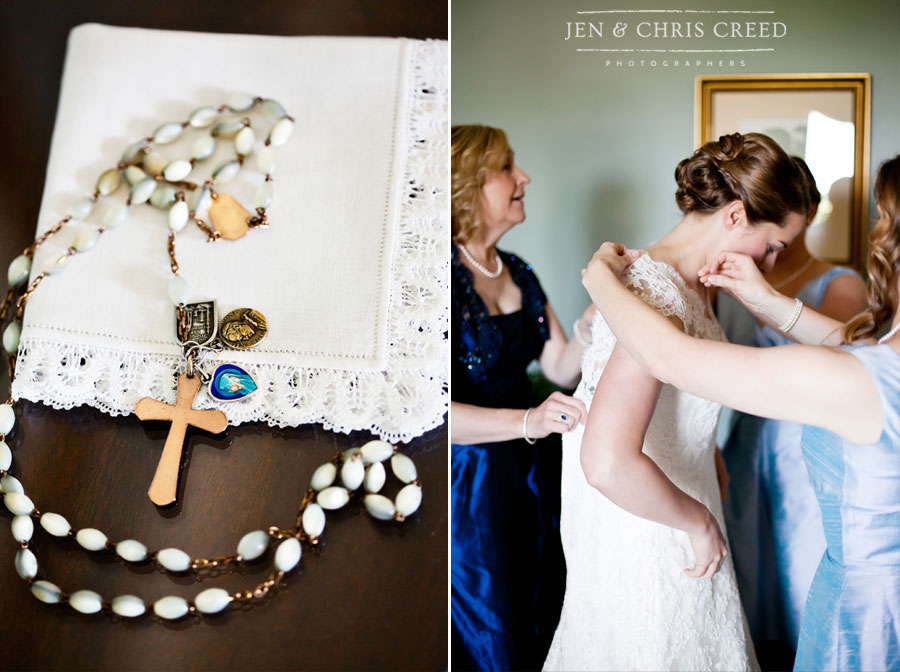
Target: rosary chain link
23,300
173,262
260,592
7,303
29,251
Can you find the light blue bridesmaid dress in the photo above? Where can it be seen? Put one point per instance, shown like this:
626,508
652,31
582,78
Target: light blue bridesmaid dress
852,615
773,520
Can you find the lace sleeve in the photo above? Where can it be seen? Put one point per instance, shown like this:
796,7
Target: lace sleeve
653,283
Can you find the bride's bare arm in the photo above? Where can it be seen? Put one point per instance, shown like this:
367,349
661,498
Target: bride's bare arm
614,464
812,385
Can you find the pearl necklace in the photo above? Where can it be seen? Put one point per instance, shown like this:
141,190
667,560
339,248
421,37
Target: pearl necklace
362,472
890,334
495,274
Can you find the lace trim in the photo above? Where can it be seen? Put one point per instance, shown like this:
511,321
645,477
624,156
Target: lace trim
405,400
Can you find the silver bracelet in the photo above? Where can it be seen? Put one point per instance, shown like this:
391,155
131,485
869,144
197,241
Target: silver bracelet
577,334
792,320
525,427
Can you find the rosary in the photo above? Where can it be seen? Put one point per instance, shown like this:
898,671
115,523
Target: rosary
164,184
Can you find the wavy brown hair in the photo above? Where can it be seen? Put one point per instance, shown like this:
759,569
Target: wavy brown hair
750,168
475,151
883,262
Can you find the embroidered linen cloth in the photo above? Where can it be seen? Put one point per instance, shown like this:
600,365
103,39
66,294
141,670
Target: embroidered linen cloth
351,274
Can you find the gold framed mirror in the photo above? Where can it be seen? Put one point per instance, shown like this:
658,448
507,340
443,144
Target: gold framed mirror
824,119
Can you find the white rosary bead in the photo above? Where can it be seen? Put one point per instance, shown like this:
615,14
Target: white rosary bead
252,545
201,200
163,196
403,468
22,528
19,270
171,607
167,133
212,600
141,191
281,132
7,418
177,170
323,476
288,555
10,483
131,550
154,163
313,520
55,524
228,129
227,171
379,507
133,175
333,498
178,216
81,208
91,539
108,181
86,601
56,265
18,503
375,477
128,606
241,102
203,117
46,592
179,291
243,141
5,456
377,451
86,240
174,560
265,160
408,500
11,336
272,109
131,152
263,197
117,214
203,147
26,564
352,473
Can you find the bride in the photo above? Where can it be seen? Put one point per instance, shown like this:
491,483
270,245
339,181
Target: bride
641,514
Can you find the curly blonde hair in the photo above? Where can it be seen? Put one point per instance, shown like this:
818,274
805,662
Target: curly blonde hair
475,151
883,263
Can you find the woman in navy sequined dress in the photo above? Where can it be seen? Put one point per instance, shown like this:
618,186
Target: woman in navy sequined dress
507,569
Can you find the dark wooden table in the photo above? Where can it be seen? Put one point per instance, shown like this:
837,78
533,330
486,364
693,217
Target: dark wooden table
373,596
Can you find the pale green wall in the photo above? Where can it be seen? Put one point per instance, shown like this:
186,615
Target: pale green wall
601,144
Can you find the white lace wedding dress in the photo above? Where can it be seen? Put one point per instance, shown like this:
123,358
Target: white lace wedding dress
629,605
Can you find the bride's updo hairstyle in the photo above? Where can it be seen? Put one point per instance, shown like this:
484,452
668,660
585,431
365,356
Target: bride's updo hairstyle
883,263
750,168
475,151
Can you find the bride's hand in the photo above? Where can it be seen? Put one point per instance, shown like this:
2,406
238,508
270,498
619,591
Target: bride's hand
610,256
559,413
739,277
709,549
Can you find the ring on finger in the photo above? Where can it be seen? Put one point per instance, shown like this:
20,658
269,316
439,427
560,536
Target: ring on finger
563,417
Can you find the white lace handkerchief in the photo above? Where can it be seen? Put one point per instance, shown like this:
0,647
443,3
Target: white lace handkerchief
351,274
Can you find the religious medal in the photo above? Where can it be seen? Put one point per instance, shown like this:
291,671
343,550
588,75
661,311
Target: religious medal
243,328
196,323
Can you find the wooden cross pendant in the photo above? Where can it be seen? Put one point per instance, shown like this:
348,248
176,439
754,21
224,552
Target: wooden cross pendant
165,482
